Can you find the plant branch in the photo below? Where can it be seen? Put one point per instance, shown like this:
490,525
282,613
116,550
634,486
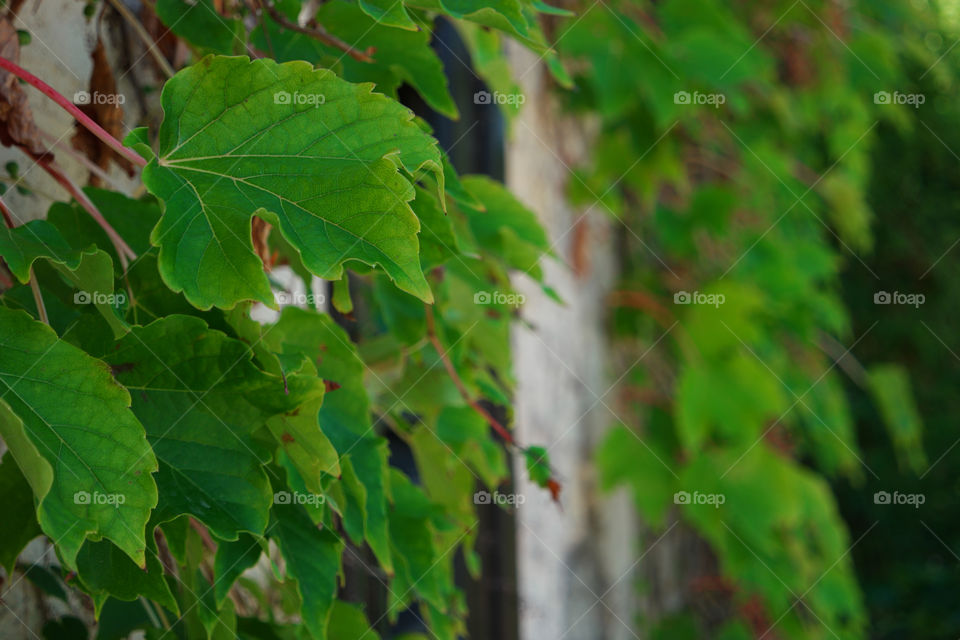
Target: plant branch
458,382
72,109
148,42
317,33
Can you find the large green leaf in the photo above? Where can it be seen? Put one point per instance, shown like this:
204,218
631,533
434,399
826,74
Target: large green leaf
200,399
69,427
334,187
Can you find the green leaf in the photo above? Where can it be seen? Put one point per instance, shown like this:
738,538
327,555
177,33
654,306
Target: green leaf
89,271
302,439
538,465
231,560
388,12
200,399
198,22
890,387
336,191
345,414
348,622
411,532
106,571
68,425
19,513
506,228
21,246
399,56
313,561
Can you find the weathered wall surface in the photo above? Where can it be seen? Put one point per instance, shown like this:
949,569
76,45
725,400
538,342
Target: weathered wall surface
576,566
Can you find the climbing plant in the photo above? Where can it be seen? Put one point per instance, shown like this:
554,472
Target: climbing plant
736,148
160,433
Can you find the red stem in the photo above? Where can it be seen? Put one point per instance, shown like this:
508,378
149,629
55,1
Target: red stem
462,388
72,109
123,250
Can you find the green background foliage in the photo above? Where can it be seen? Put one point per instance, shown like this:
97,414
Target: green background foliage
165,441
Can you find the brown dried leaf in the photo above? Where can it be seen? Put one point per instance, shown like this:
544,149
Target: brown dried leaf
107,113
18,128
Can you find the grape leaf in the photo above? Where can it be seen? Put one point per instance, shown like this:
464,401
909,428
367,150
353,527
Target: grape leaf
345,414
506,228
200,398
69,427
334,189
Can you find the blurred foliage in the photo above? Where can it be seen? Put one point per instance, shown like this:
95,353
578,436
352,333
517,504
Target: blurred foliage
738,149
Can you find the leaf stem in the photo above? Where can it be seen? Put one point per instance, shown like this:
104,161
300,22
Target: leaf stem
38,298
317,33
72,109
84,160
458,382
